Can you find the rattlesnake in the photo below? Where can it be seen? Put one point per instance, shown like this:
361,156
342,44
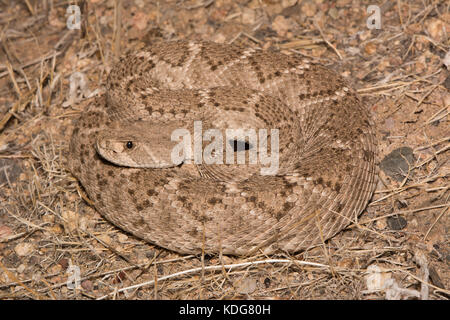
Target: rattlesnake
327,150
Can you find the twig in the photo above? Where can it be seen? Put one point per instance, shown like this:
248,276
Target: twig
13,277
326,41
446,205
213,268
30,63
435,221
101,274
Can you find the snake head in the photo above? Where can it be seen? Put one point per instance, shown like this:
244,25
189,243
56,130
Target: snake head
140,144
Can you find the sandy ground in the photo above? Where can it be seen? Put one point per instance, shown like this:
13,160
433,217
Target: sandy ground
398,247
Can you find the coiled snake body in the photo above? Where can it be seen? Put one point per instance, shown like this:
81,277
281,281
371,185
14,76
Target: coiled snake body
120,150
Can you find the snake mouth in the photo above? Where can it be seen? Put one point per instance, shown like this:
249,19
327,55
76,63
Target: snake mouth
115,152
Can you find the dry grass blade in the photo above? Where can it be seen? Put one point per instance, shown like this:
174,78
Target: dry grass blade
403,81
213,268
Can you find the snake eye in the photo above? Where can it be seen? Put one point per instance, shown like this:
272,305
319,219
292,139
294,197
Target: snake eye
129,144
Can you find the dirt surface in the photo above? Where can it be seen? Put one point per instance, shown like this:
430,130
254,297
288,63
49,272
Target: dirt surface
397,248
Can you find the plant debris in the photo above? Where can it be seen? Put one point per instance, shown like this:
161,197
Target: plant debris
54,245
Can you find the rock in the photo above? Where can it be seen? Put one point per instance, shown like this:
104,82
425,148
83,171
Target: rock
247,286
140,20
396,223
5,232
436,29
342,3
333,13
105,238
281,25
87,285
122,238
288,3
70,220
370,48
24,249
396,163
9,170
309,8
381,224
21,268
